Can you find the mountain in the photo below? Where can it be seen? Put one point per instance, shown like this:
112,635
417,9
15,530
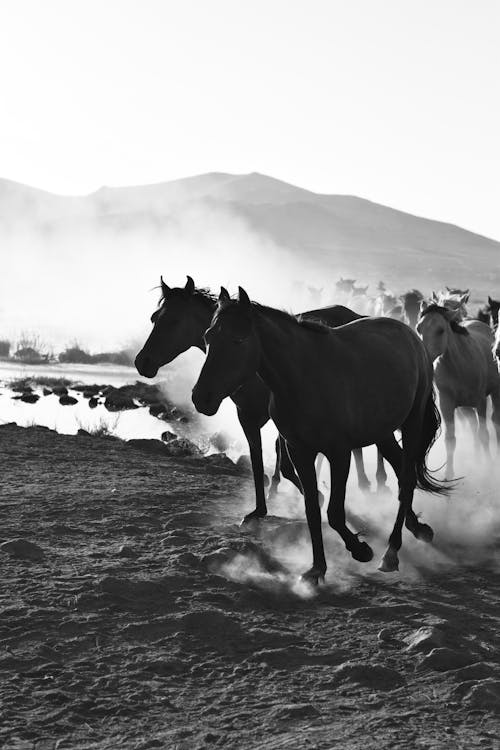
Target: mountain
334,234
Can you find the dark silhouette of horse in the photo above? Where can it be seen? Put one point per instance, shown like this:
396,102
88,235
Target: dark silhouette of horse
179,323
333,390
410,303
464,372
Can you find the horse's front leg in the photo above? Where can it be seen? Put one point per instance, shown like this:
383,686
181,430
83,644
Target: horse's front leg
448,413
303,460
339,471
484,437
251,428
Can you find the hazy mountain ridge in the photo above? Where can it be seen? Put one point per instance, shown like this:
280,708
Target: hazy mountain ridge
342,233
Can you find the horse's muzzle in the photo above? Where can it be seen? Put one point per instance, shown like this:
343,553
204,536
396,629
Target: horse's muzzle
144,366
205,403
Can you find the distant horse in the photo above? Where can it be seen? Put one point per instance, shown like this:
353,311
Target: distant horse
344,286
410,302
178,324
333,390
464,372
385,303
453,299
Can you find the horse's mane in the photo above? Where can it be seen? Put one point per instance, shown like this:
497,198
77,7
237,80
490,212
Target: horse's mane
312,324
455,327
203,294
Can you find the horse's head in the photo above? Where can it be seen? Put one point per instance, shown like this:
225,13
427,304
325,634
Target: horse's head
411,306
232,352
435,326
178,324
494,306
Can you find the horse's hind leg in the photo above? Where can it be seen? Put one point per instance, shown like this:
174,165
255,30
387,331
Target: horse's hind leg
407,483
381,474
275,480
339,469
252,434
484,437
448,413
363,481
303,461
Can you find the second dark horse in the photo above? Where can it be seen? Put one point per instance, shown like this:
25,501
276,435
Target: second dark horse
183,315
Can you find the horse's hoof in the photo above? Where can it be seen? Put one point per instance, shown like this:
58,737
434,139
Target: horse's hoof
424,533
254,516
314,576
362,552
389,562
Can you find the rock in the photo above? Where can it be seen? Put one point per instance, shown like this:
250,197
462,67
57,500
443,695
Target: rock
68,400
480,670
181,447
385,635
93,401
294,711
244,465
149,445
484,695
85,433
47,392
22,549
374,676
167,436
118,402
445,659
29,398
425,639
156,409
126,551
60,390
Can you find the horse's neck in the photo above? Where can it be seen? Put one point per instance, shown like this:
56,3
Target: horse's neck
204,315
281,352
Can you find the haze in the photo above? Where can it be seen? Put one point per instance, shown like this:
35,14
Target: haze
395,101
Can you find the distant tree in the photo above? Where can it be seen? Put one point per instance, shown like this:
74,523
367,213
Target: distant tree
75,355
4,348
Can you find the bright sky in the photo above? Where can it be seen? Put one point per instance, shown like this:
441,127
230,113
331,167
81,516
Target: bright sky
393,100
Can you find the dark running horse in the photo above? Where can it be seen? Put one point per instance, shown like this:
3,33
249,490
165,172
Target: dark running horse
333,390
178,324
465,373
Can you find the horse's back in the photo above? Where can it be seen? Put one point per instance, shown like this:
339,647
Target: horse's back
335,315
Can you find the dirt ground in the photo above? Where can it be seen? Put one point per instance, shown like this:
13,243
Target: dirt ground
145,617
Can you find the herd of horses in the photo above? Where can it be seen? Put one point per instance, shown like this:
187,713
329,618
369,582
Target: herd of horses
334,381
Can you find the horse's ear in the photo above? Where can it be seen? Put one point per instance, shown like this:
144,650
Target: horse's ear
243,297
435,297
490,301
164,288
448,288
224,295
423,305
464,298
189,288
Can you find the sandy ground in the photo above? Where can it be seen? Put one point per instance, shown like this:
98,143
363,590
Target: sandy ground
152,620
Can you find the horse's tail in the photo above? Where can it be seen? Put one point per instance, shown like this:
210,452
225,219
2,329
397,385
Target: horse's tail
430,433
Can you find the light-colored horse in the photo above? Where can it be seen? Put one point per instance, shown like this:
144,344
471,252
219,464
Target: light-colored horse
453,299
464,373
